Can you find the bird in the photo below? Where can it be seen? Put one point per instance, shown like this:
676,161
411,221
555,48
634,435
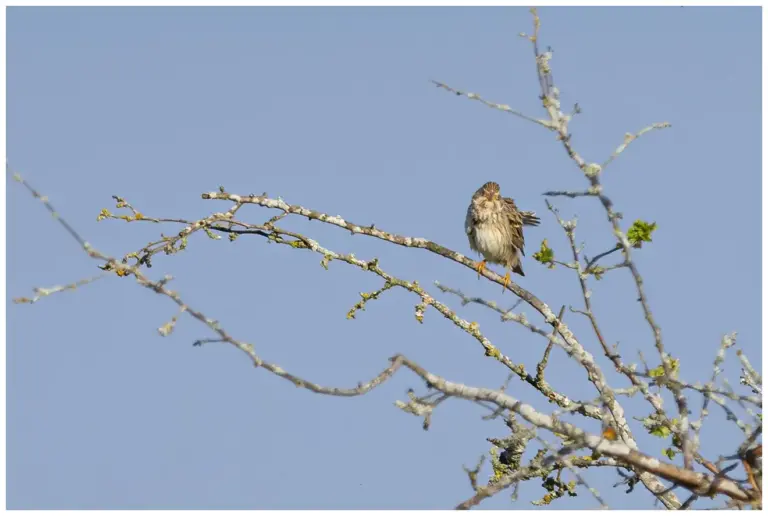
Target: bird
494,227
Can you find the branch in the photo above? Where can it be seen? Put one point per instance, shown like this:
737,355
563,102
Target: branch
629,138
500,107
571,345
41,292
699,482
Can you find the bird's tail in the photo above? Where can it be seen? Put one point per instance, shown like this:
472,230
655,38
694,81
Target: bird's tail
530,218
516,264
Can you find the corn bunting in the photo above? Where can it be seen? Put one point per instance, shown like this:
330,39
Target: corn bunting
494,226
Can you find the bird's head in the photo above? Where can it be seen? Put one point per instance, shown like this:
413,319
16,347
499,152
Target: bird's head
491,191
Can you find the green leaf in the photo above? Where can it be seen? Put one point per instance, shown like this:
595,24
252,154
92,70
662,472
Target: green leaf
669,452
639,232
211,234
545,255
661,431
674,367
597,271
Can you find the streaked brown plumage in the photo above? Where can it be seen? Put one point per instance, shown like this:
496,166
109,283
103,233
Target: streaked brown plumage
494,226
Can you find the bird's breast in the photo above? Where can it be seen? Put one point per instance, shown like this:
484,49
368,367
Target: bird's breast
487,211
491,241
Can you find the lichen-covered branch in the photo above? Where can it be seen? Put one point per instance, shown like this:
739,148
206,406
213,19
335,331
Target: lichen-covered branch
569,343
614,449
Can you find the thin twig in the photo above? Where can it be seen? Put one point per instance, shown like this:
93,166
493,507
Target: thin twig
545,359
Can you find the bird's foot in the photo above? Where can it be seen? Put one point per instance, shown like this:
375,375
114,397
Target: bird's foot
480,268
506,282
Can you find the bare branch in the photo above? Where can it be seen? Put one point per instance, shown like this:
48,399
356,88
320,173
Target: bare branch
500,107
615,449
41,292
569,193
629,138
545,359
571,345
750,378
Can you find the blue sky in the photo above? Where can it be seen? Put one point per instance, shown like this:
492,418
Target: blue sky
332,108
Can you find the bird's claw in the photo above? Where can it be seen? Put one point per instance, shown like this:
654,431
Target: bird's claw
506,282
480,267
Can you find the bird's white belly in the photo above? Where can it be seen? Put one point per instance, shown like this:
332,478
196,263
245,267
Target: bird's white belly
490,242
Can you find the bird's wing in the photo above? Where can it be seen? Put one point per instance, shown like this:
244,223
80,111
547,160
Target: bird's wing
530,218
469,227
516,221
469,222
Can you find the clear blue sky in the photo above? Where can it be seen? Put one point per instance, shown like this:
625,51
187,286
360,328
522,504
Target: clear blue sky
333,109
